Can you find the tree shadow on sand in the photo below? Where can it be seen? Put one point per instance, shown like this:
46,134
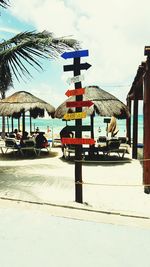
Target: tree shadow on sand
30,155
99,160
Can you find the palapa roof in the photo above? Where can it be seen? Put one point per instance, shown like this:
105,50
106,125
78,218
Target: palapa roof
136,90
24,101
105,104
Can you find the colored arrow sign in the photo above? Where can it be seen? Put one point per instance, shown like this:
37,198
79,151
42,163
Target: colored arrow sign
78,141
75,116
79,104
82,66
74,54
75,79
79,91
74,128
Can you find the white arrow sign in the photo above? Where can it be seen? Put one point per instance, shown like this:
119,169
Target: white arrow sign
75,79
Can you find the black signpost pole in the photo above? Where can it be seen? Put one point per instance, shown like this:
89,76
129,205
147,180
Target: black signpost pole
78,134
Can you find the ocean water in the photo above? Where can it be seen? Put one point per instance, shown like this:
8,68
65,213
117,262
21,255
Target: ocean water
55,125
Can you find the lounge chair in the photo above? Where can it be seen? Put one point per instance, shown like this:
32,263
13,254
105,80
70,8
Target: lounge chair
29,145
113,146
102,140
10,143
124,144
68,150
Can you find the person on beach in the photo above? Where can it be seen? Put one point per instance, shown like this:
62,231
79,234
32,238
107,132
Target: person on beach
24,137
112,127
17,134
65,133
48,129
41,140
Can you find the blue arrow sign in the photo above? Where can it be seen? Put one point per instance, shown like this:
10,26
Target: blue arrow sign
74,54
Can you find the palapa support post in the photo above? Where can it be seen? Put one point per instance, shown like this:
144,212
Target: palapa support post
23,122
146,163
7,124
19,124
30,123
135,127
12,124
128,122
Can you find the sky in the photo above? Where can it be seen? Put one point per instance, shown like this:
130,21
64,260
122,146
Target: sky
114,32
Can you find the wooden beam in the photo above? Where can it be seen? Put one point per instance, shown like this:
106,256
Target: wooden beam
19,125
135,128
30,123
146,163
23,122
12,124
128,122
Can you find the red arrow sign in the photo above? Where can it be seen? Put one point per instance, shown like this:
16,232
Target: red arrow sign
78,104
78,141
79,91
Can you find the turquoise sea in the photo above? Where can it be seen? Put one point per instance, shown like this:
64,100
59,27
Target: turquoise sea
55,125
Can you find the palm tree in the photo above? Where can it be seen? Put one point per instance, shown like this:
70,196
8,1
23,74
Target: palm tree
4,3
27,48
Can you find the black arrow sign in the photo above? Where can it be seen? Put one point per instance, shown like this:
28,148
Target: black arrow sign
74,128
82,66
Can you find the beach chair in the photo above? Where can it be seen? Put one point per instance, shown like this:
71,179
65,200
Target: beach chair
10,143
68,150
47,148
124,144
102,140
113,146
29,145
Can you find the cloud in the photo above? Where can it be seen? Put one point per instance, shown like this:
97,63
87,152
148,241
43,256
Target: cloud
9,30
115,33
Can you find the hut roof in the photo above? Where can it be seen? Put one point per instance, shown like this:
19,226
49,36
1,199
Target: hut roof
136,91
24,101
105,104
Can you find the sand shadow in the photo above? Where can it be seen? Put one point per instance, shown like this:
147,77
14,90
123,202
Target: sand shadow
99,160
30,155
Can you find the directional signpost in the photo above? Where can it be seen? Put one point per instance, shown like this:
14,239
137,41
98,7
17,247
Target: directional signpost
75,54
78,141
79,91
83,66
78,115
75,116
79,104
83,128
76,79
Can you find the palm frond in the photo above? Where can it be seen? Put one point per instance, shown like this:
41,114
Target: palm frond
30,46
4,3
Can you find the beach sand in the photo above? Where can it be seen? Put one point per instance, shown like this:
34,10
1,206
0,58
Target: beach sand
108,187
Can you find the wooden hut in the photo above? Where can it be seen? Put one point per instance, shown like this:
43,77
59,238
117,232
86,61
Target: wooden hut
19,103
140,90
104,104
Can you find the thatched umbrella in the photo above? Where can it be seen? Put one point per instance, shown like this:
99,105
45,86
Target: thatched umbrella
21,102
104,105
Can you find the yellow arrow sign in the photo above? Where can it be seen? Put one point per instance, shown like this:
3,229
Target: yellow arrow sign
75,116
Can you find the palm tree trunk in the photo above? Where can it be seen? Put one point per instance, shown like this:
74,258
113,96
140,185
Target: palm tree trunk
3,119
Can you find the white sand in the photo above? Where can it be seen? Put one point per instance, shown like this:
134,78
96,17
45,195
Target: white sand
115,188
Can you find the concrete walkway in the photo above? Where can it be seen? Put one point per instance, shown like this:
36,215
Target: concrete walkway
34,238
